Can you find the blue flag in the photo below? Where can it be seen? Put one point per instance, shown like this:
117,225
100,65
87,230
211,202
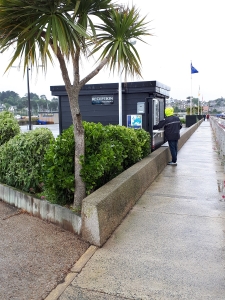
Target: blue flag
193,70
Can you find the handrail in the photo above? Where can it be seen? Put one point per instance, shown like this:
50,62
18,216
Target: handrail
218,127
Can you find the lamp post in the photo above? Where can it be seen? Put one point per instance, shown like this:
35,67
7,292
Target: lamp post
120,98
28,96
198,106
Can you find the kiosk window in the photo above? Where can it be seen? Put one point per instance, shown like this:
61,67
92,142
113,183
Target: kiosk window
155,110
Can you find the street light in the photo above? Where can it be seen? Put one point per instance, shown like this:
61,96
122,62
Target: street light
28,96
120,97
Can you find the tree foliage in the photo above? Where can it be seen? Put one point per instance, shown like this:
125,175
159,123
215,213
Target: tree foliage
20,104
9,127
66,30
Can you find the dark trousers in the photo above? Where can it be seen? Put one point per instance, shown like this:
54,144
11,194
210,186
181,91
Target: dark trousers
173,149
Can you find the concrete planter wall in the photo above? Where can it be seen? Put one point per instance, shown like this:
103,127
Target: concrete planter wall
45,210
103,210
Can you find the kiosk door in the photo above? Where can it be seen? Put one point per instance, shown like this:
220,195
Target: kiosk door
155,114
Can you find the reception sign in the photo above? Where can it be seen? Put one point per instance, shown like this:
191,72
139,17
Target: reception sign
102,100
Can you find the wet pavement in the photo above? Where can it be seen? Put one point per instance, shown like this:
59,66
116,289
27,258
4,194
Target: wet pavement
172,243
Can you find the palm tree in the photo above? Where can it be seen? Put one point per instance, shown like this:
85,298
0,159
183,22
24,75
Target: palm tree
64,29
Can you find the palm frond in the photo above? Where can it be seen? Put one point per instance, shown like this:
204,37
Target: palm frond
36,27
114,36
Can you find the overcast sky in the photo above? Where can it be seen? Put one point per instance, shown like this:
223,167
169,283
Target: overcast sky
184,31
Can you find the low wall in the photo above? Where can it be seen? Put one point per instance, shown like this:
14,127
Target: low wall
103,210
45,210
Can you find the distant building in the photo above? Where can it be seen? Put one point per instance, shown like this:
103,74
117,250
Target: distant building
12,108
49,117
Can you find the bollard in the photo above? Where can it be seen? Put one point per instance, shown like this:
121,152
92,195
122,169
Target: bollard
221,189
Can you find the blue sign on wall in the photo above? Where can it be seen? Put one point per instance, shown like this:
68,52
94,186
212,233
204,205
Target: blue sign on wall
134,121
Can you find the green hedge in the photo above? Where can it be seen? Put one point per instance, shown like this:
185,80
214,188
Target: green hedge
21,159
109,150
58,169
9,127
34,160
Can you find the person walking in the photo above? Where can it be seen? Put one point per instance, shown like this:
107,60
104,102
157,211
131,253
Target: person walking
172,126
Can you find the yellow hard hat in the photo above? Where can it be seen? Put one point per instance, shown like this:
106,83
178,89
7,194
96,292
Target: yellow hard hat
169,111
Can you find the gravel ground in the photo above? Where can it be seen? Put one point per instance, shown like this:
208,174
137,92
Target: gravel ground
34,255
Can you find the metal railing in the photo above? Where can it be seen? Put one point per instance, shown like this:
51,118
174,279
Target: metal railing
218,127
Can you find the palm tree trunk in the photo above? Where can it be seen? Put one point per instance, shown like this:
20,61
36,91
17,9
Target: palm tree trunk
80,190
73,95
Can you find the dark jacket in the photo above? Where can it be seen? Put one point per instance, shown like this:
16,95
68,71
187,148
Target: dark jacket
172,126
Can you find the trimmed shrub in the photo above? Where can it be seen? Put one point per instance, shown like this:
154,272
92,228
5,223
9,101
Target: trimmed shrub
9,127
183,120
104,155
109,150
58,168
21,159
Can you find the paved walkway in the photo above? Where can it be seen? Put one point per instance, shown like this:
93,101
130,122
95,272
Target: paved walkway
172,243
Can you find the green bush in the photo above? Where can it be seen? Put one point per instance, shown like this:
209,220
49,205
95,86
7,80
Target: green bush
109,150
144,141
58,168
104,155
183,120
9,127
21,159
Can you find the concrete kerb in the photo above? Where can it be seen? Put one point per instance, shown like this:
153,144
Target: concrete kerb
103,210
75,270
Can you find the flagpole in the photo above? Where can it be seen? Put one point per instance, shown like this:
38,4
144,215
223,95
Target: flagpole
193,70
202,104
198,99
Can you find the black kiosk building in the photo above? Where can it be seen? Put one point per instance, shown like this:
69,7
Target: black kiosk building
143,105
